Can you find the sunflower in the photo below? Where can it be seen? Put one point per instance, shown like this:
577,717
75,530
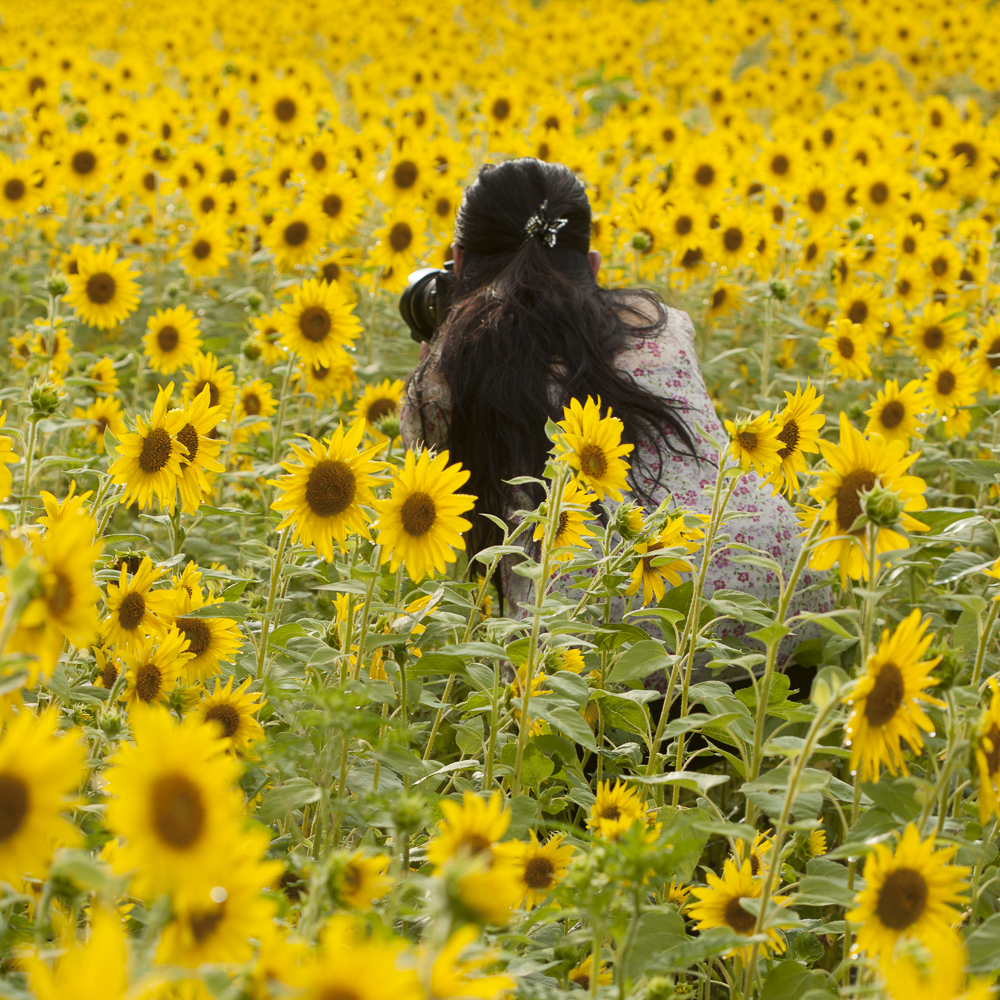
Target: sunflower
757,853
254,404
171,339
615,810
936,971
320,157
565,658
232,712
591,445
18,191
468,829
211,641
848,349
732,241
38,773
376,402
798,433
331,381
937,331
452,976
154,666
755,442
220,382
202,450
944,265
895,414
363,880
105,414
816,203
400,241
294,237
151,457
135,610
573,516
286,109
857,464
910,286
349,957
266,339
420,523
987,359
85,163
405,178
703,169
318,322
988,755
911,892
651,570
720,905
442,203
103,292
63,605
582,973
172,799
862,305
96,970
338,205
541,867
885,705
948,384
206,253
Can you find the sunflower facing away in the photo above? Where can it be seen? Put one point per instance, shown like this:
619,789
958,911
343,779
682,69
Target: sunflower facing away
798,433
173,801
652,571
151,457
885,705
172,339
912,891
232,712
134,609
420,522
755,442
895,414
591,445
154,666
541,867
574,513
318,322
325,492
856,464
103,292
38,773
199,420
719,905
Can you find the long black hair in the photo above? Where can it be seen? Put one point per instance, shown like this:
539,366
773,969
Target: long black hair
529,329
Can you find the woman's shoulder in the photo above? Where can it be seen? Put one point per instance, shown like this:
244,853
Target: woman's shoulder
671,331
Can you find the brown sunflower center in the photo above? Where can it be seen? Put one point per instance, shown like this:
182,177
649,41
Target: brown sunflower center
719,297
539,873
167,338
692,257
332,204
188,437
993,755
501,109
83,162
418,514
902,900
227,716
892,414
611,812
201,249
780,164
213,392
331,271
207,203
14,189
178,810
60,593
204,922
967,150
817,200
315,323
933,338
284,109
379,409
296,233
993,354
858,312
738,918
400,236
197,633
109,674
683,225
939,265
846,347
331,488
100,288
732,239
593,461
251,404
909,244
15,800
148,682
475,843
789,437
563,523
886,696
155,453
405,175
879,192
336,991
442,207
318,160
945,382
131,611
747,440
848,496
704,176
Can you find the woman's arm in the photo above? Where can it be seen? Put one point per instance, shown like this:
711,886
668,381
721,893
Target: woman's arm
425,413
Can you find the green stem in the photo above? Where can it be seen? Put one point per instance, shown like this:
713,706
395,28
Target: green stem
869,608
28,456
279,419
984,639
265,625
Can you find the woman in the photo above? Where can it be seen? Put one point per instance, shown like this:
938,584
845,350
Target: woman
529,328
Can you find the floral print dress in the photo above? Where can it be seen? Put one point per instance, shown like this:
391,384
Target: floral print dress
663,360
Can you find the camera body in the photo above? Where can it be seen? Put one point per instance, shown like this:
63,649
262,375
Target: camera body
424,303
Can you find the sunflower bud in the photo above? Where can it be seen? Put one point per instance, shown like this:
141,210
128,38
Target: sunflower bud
779,290
56,285
80,117
641,242
389,425
44,400
628,521
408,813
251,351
882,506
173,289
255,300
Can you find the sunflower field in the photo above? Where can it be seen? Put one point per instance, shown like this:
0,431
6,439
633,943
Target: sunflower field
266,732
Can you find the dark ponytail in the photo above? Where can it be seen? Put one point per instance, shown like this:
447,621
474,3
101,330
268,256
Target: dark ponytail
529,329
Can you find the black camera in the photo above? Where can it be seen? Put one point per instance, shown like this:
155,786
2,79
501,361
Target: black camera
424,304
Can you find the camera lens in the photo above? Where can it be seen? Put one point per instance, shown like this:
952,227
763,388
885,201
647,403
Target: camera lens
424,302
